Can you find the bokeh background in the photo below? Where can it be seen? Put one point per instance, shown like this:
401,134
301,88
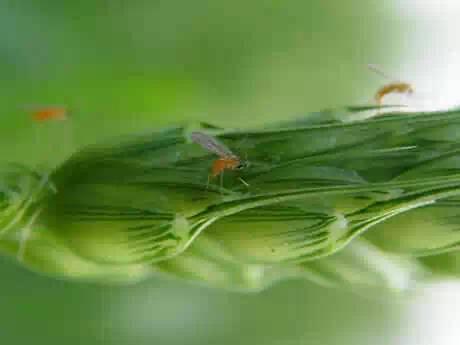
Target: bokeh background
124,67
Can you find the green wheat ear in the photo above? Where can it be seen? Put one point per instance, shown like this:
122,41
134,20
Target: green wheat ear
340,196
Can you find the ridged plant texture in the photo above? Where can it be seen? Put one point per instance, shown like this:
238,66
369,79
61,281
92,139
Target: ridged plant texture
346,196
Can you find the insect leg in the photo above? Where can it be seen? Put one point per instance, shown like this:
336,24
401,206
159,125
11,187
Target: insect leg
207,183
243,181
222,182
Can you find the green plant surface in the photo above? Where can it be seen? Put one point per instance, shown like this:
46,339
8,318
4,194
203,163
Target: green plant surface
316,192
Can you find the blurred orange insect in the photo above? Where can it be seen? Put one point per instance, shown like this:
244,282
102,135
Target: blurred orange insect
49,113
397,87
393,87
227,161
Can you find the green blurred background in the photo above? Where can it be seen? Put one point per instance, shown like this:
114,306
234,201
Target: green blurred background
124,67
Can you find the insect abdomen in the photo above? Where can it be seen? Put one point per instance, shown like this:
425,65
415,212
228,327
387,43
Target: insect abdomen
222,164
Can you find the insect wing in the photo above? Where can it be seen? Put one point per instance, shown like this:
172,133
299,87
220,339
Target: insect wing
377,70
211,144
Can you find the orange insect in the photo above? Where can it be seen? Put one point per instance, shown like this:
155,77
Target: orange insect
398,87
227,161
393,87
49,113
